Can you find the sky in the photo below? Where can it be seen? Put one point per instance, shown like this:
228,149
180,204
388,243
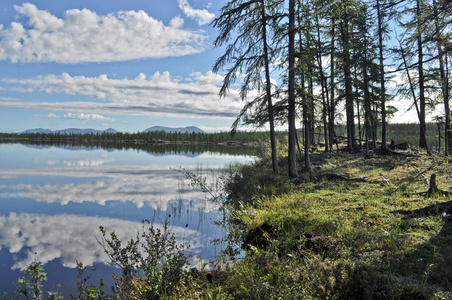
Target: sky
127,65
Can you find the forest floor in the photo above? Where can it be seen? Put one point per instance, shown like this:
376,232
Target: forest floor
339,237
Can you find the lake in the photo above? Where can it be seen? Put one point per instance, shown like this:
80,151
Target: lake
53,198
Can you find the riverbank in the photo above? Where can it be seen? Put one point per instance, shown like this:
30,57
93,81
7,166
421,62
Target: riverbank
338,238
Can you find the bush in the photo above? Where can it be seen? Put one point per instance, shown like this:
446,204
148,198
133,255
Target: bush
153,263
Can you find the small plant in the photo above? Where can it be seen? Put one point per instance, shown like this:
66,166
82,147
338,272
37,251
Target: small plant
153,263
31,285
88,291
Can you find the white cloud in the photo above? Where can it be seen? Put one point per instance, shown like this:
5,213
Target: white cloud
83,116
177,22
158,95
84,36
7,98
202,16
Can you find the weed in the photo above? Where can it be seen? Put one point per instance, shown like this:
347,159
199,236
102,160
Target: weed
153,263
30,286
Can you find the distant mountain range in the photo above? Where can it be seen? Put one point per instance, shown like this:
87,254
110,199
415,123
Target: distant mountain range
70,130
188,129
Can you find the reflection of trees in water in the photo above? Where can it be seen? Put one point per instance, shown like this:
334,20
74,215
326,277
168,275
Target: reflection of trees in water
184,211
181,149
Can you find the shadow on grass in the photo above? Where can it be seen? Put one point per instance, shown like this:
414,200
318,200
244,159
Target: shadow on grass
426,271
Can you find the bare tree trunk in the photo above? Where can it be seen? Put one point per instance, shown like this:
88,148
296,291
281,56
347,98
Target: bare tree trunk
331,112
447,111
422,135
349,105
366,102
305,107
444,82
413,93
322,84
384,145
291,114
269,92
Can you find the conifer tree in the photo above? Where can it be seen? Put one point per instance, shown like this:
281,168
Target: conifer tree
248,53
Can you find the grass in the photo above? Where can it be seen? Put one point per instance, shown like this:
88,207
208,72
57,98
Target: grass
338,240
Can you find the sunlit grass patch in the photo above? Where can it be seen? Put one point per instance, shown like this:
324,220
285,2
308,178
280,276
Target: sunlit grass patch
340,238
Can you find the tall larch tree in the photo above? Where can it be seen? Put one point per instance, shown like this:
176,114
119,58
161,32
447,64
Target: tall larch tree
292,158
249,52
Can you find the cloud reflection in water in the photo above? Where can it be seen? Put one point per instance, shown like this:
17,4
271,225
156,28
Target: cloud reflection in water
153,186
73,238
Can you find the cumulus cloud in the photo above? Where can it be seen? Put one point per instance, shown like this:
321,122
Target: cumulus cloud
84,36
83,116
158,95
177,22
202,16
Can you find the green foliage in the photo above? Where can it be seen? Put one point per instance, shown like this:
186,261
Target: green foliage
143,138
153,263
250,182
88,291
31,286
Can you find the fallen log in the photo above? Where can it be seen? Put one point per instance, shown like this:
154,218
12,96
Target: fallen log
338,177
444,208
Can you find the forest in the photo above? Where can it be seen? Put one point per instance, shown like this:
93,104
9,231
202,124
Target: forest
325,62
400,133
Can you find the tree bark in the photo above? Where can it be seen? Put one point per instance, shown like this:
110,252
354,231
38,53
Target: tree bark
331,112
349,105
422,125
444,81
269,92
292,163
382,78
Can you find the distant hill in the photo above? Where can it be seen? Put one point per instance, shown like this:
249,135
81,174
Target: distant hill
37,130
70,131
188,129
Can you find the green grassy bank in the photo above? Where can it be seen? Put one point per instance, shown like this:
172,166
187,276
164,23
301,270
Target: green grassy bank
336,239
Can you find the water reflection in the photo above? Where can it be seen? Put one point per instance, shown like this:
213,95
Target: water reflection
181,149
52,202
71,238
152,185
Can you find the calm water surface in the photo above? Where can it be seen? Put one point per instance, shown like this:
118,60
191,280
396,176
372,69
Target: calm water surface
53,200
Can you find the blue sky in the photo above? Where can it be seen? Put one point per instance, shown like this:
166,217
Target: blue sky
128,65
97,64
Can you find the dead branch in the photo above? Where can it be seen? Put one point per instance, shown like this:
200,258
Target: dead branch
332,177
